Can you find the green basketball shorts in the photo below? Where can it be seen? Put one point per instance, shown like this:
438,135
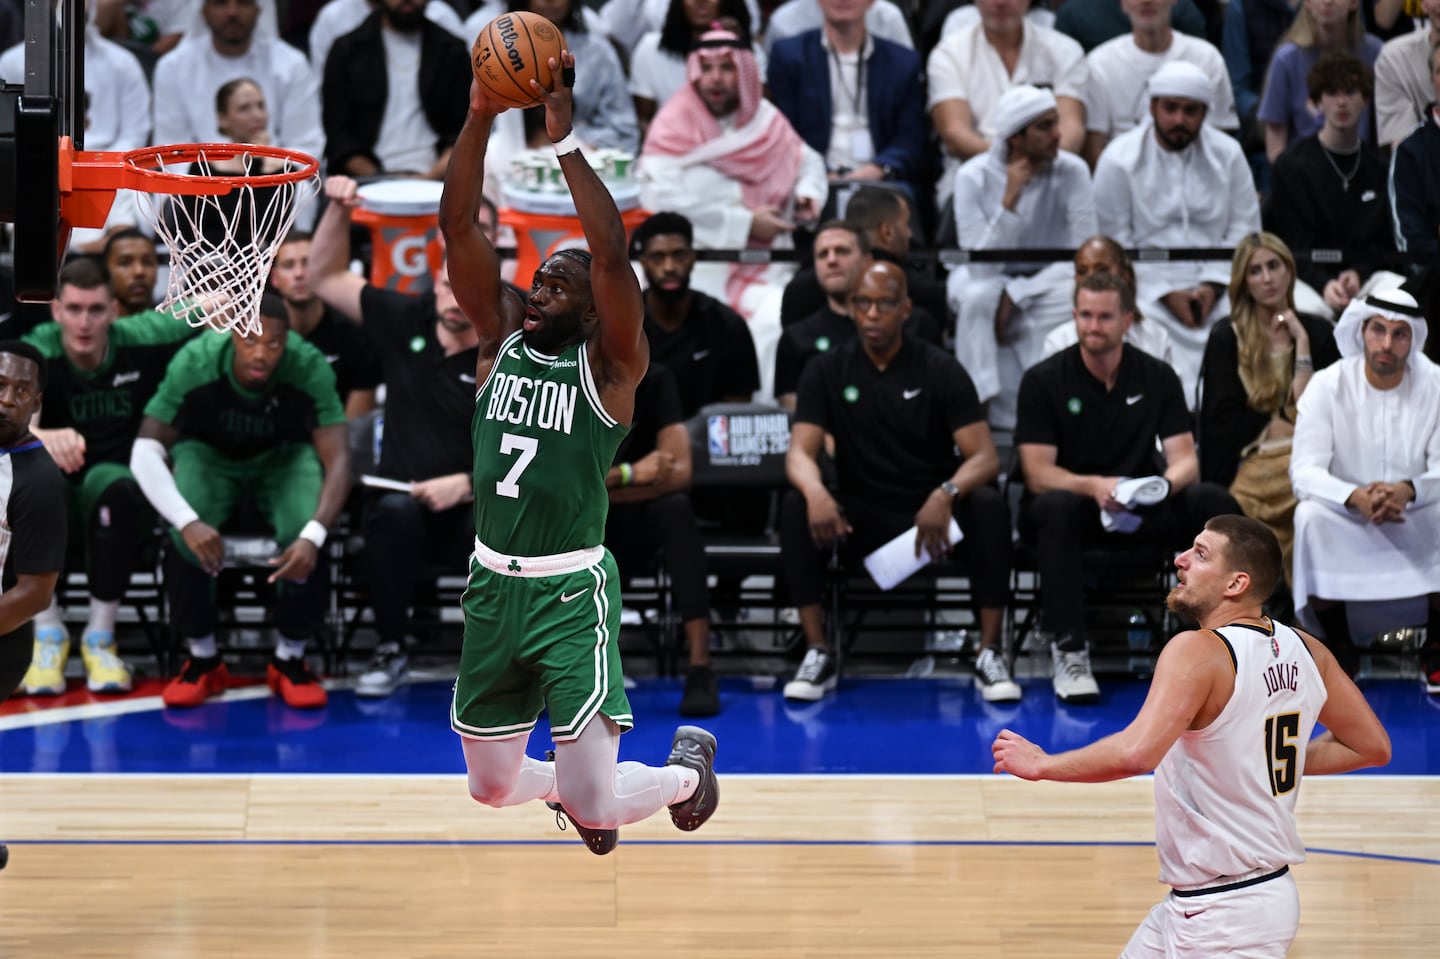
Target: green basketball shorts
540,632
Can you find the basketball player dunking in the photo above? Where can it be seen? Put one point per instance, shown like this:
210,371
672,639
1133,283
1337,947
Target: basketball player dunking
557,372
1228,722
32,515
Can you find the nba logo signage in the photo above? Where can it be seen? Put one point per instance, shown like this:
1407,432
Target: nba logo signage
742,439
719,436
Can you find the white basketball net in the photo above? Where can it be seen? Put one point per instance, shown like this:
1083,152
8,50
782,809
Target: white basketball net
222,245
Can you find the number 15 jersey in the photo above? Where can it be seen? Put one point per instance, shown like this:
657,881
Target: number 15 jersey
1225,795
543,443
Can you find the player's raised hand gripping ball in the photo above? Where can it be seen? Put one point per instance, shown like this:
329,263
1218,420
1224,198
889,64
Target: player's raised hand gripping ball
512,50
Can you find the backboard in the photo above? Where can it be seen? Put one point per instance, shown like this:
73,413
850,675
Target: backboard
48,103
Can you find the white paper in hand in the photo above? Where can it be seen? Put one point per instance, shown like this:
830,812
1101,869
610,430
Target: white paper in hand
380,482
896,561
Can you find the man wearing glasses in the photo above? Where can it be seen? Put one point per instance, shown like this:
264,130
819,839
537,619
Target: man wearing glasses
912,450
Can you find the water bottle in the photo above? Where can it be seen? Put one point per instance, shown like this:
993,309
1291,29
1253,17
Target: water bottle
1137,631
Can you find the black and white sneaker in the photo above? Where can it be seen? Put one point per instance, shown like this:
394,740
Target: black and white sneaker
1074,680
386,670
993,678
814,678
598,841
694,748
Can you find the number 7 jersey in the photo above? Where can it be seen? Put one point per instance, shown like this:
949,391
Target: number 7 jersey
543,443
1225,795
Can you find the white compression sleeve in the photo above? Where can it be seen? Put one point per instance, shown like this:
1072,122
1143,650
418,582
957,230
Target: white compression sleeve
147,462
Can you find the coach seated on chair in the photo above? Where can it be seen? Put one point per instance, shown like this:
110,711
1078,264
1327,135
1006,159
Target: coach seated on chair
650,509
899,410
1088,418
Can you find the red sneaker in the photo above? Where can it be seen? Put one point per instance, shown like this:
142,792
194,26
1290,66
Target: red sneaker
197,682
292,681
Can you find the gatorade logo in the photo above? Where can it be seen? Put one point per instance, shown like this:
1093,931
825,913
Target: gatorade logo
508,35
407,255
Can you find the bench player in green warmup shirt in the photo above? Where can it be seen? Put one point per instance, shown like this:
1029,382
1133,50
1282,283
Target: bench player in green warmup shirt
558,370
238,415
101,372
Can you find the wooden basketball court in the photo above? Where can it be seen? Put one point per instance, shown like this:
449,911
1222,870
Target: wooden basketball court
368,866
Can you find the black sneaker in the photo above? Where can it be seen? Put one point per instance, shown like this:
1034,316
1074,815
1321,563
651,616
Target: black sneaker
4,855
702,693
694,748
814,678
598,841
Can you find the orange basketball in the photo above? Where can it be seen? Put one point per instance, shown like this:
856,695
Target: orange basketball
513,49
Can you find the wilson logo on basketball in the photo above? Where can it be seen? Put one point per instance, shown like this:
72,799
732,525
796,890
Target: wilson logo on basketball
508,35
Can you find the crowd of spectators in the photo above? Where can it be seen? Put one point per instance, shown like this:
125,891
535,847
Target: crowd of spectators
853,138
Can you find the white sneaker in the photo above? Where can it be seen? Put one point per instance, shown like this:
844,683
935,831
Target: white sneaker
1074,682
993,678
386,670
814,678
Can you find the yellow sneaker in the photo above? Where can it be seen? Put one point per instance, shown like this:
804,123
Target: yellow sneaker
105,671
46,675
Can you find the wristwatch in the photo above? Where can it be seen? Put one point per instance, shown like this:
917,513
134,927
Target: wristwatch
888,171
950,488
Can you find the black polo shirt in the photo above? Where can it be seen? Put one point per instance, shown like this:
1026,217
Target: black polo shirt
895,428
823,331
712,354
657,405
429,397
349,350
1099,432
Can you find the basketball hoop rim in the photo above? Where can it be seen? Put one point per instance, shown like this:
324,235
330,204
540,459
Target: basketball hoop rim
156,179
144,169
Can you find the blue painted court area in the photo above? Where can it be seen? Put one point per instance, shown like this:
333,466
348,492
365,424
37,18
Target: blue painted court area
873,726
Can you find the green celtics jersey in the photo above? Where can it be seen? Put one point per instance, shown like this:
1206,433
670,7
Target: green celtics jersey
105,404
201,398
543,444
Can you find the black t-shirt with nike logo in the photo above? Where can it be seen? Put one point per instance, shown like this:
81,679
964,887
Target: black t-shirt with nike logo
429,397
895,428
1100,433
711,354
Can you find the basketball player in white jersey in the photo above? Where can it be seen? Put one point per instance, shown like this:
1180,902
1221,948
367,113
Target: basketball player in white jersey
1227,729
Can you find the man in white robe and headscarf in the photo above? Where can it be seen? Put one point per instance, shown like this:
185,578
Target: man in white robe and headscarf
724,157
1365,464
1170,183
1023,192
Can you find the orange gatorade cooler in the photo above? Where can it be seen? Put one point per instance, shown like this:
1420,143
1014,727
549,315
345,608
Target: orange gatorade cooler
544,221
403,217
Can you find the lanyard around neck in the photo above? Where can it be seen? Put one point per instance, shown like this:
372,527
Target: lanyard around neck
859,93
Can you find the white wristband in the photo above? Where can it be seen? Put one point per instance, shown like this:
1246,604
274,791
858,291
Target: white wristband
314,532
568,145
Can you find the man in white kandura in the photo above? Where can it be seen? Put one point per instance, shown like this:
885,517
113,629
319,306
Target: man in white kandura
1365,463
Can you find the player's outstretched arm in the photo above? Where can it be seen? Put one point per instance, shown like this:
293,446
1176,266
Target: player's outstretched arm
612,280
1354,737
1185,677
474,266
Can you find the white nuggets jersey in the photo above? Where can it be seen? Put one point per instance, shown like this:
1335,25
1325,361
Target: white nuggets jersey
1225,795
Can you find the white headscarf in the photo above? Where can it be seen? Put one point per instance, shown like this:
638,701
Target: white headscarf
1178,78
1394,305
1017,108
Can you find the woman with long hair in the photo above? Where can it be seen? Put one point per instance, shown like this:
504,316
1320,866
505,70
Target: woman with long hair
1257,363
1321,26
